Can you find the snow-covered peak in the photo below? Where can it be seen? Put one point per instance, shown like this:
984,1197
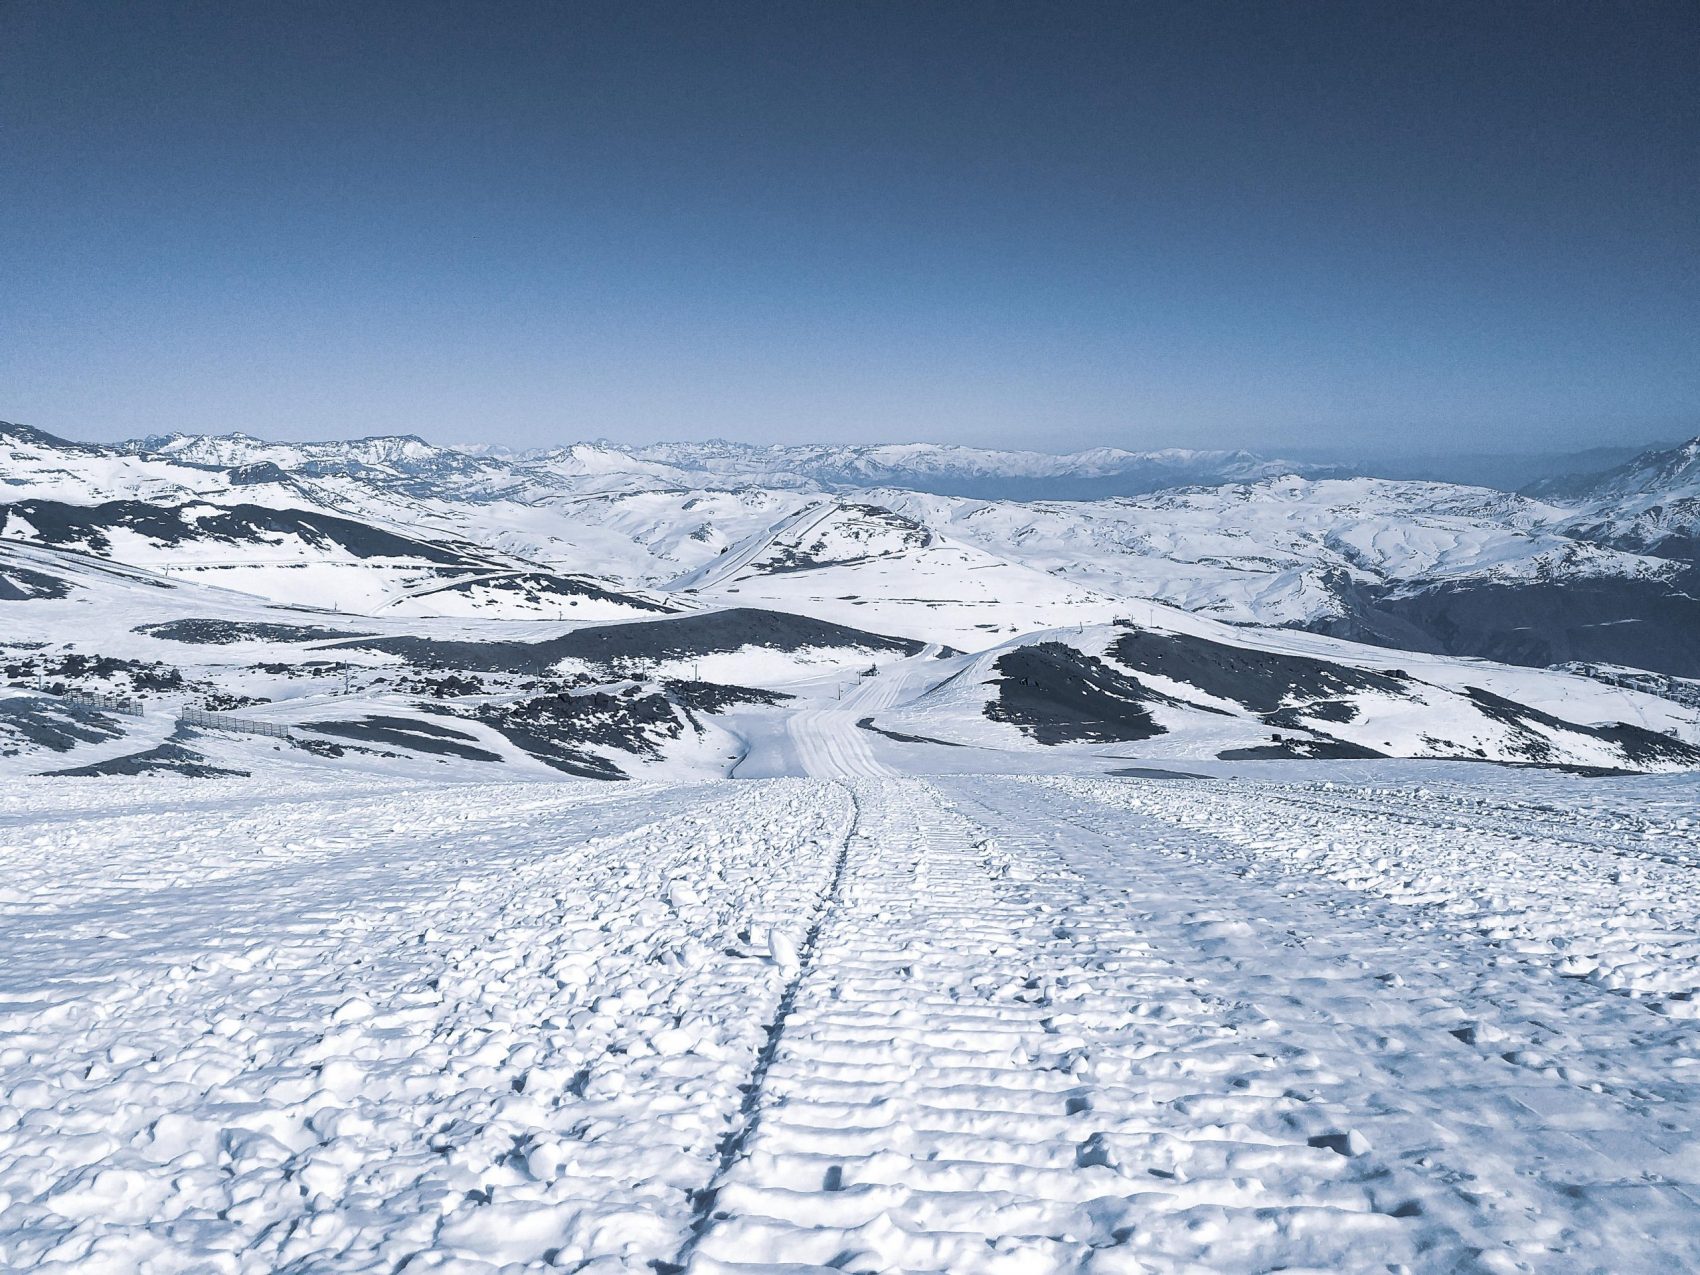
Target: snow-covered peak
977,471
1659,473
604,465
404,453
1651,503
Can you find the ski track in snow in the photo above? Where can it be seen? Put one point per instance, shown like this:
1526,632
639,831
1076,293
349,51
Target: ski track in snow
853,1023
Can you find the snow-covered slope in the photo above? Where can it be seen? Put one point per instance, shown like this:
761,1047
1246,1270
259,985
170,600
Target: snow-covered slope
484,570
347,538
1175,686
770,666
1598,573
1651,504
1261,553
1428,566
959,910
978,1025
866,565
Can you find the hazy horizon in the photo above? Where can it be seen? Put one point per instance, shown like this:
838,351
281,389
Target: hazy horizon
1506,469
1297,451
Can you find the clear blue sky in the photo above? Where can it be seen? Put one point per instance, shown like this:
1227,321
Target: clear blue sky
1409,227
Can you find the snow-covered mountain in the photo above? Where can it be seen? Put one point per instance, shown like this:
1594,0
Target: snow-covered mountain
975,471
951,470
298,535
1255,552
697,589
1601,573
1425,566
1650,504
740,681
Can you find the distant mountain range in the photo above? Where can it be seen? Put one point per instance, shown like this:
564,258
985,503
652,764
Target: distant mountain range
1601,568
948,470
597,609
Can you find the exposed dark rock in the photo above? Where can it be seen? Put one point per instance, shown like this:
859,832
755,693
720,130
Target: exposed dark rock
45,723
87,527
557,729
641,642
1313,747
21,584
257,474
169,758
717,697
1645,623
1058,695
14,433
876,520
225,701
540,587
448,686
1263,681
1154,772
65,672
1639,745
409,733
867,723
1328,710
211,632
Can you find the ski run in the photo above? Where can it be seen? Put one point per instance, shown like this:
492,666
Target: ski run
851,1021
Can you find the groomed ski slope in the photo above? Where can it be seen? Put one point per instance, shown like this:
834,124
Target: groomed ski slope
960,1024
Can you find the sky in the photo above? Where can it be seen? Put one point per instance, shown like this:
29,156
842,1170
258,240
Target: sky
1355,227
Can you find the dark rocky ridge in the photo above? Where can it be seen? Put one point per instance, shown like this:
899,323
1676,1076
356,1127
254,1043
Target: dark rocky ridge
215,632
169,758
411,733
540,586
1263,681
641,642
86,527
21,584
557,730
1057,695
1638,744
1641,623
52,724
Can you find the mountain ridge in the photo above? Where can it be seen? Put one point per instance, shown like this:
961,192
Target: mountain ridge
1423,565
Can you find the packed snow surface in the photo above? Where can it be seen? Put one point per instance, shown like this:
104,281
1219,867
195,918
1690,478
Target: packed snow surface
1436,1018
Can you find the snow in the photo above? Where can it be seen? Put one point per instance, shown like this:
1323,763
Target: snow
884,1024
373,1025
853,567
1260,552
1267,542
849,972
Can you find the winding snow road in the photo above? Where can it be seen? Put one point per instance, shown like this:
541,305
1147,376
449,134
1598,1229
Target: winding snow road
828,742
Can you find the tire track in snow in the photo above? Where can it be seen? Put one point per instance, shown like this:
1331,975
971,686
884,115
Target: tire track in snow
1543,1126
733,1146
830,743
529,1057
1618,917
1032,1045
964,1083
